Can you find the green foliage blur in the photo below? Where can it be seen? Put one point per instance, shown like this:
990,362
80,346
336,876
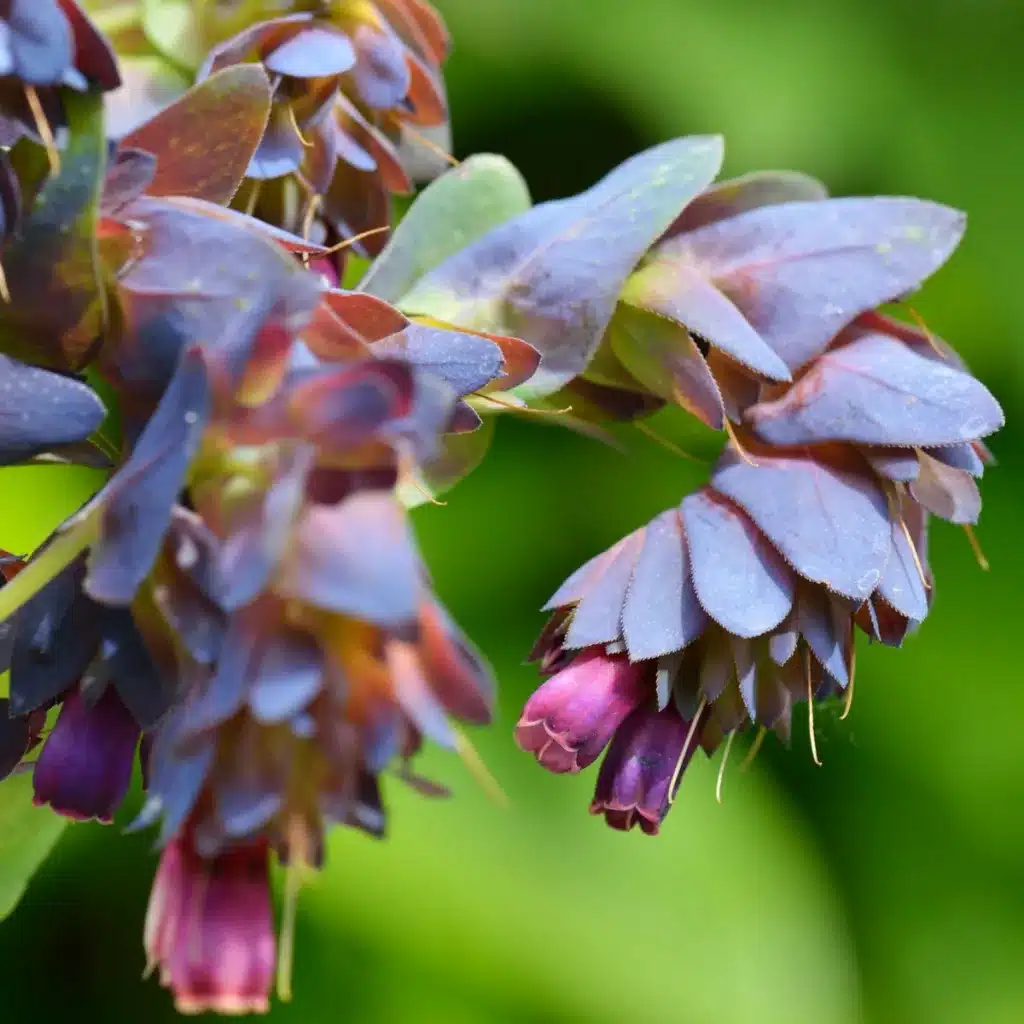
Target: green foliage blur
886,886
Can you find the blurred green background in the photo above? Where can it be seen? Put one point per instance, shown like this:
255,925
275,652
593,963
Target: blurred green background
886,886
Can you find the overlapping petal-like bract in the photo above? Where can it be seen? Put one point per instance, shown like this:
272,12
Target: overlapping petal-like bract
242,605
350,84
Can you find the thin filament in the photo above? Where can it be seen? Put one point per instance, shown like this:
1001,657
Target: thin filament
475,763
754,748
913,551
295,126
522,408
849,689
43,128
355,238
929,337
426,143
741,451
664,442
684,753
254,197
810,709
721,767
972,537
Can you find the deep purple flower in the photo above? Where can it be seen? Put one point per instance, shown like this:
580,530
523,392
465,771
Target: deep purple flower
85,765
571,717
209,928
633,786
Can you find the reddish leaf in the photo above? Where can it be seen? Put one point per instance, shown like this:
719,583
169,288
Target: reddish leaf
793,275
128,176
830,524
204,142
357,202
458,675
748,192
93,55
949,493
425,102
347,323
877,390
419,25
740,580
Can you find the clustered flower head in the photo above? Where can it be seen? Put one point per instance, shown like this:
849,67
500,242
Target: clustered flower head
241,609
847,429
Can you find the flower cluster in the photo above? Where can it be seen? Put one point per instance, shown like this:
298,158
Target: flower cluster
757,313
241,608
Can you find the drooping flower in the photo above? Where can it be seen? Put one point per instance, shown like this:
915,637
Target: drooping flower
209,928
85,766
645,761
573,715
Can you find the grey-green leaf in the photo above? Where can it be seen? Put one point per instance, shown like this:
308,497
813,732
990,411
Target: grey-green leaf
462,205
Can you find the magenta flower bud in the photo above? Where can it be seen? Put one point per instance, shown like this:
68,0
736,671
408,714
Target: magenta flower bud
633,786
85,765
209,928
571,717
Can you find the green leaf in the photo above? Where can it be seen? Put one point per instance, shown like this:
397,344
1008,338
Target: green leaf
27,835
660,354
461,206
51,261
460,454
172,27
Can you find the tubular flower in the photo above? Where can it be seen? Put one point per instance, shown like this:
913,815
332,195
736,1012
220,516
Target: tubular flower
209,928
571,718
636,782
